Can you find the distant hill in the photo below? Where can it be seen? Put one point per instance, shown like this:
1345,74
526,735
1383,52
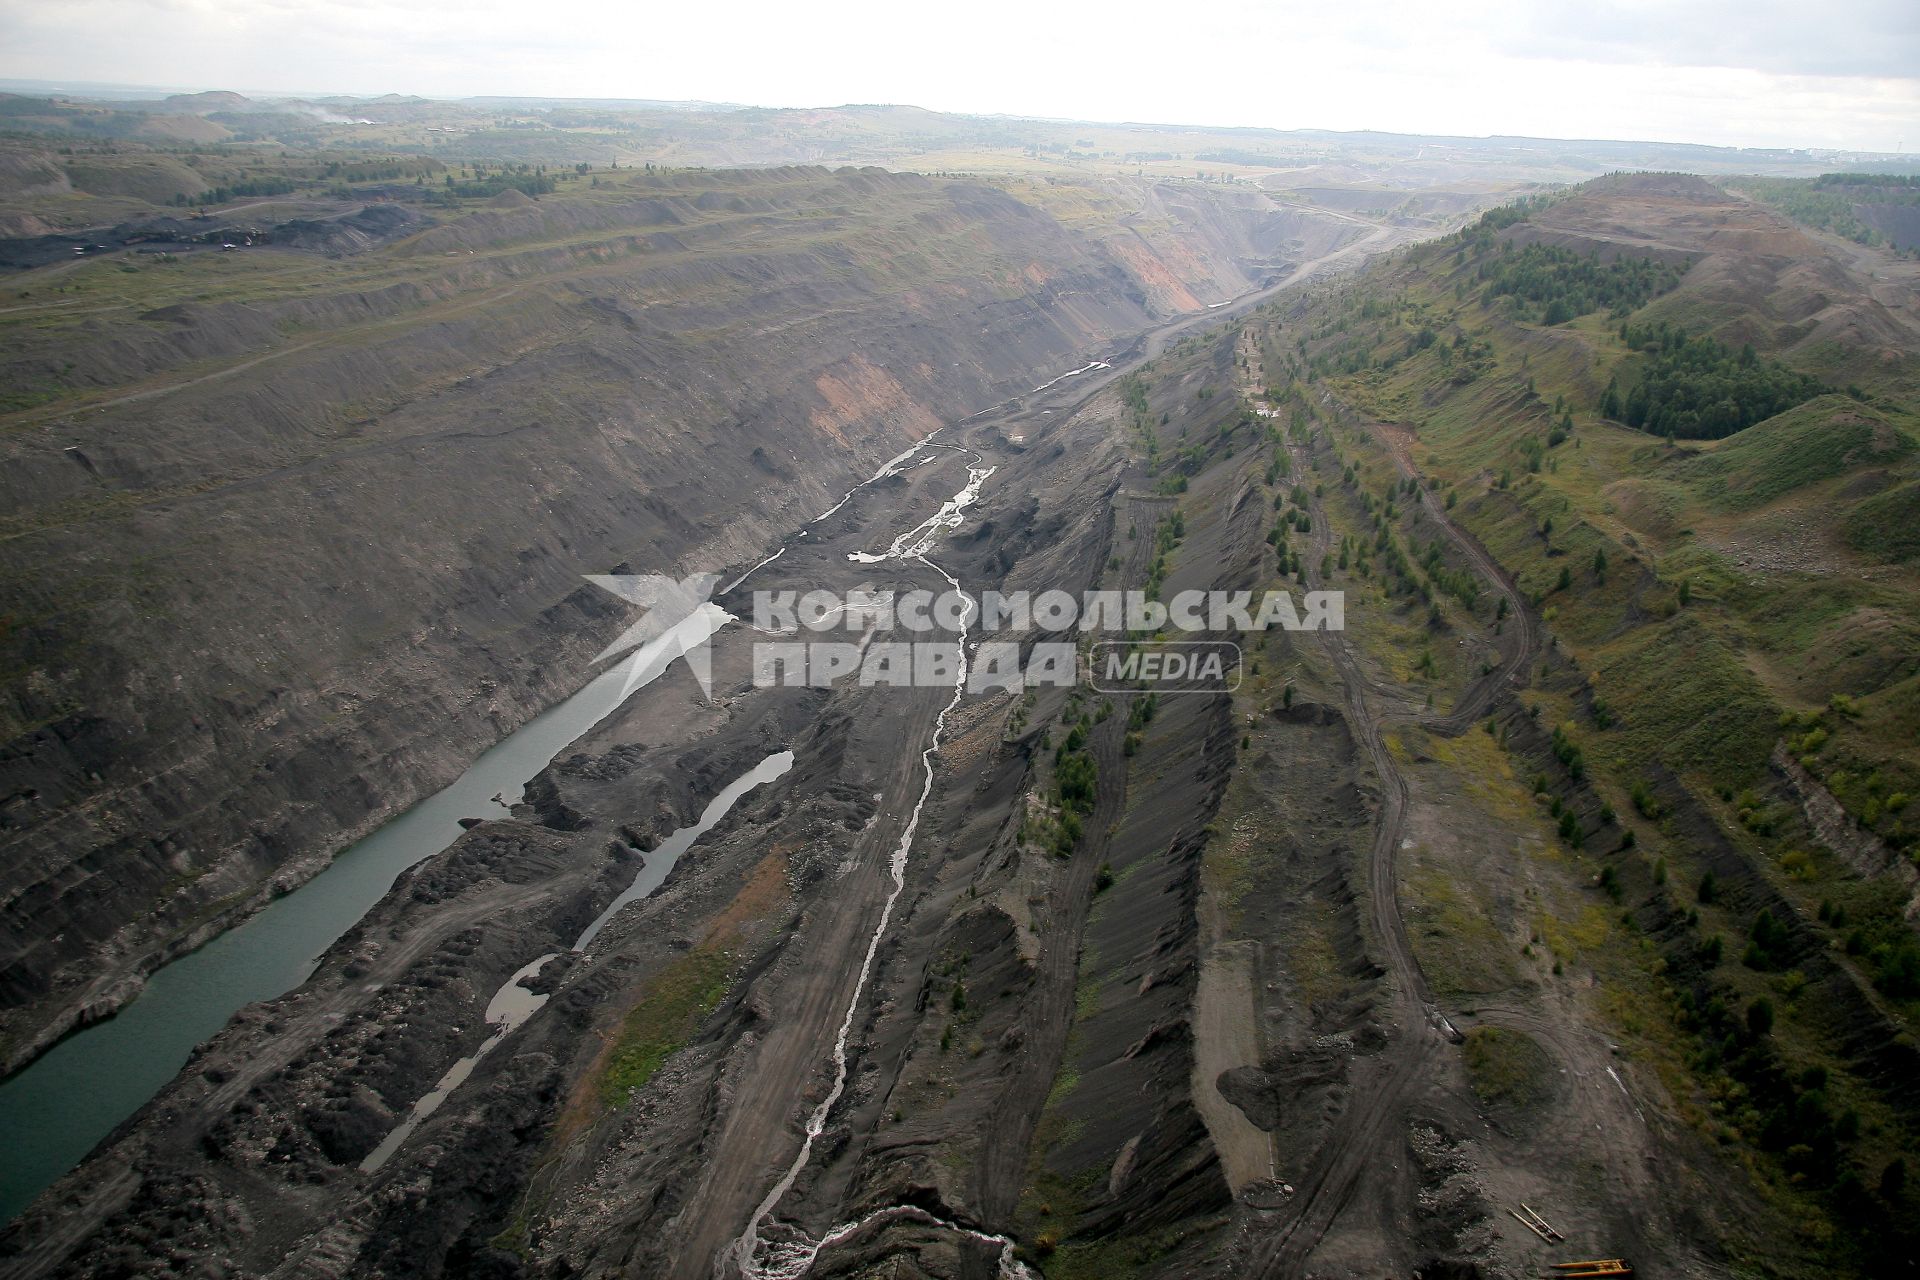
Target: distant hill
202,103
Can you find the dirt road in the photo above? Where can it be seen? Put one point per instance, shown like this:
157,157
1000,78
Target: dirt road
1369,1133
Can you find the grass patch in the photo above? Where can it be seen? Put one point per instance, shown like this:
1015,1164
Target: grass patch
1815,441
1459,947
1117,1259
1484,773
659,1026
1887,525
1507,1066
1687,699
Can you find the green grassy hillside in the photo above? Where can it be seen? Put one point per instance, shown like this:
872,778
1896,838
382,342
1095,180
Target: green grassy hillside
1732,588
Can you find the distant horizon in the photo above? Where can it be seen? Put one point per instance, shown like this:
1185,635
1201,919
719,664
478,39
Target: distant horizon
99,90
1772,74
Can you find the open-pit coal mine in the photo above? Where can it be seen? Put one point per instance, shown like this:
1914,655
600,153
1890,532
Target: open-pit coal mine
786,721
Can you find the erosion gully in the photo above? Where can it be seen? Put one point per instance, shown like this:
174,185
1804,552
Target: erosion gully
751,1254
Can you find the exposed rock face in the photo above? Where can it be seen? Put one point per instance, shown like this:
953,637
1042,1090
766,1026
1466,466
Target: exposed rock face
262,608
1864,852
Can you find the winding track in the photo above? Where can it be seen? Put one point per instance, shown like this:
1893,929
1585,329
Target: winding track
1366,1132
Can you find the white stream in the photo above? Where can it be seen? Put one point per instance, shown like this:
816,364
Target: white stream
749,573
1073,373
917,541
787,1259
891,466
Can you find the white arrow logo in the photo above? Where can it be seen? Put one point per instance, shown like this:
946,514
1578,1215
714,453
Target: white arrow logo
677,622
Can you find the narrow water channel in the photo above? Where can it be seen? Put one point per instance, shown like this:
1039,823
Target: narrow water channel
55,1111
513,1004
660,859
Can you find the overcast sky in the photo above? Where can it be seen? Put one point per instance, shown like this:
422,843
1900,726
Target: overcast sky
1828,73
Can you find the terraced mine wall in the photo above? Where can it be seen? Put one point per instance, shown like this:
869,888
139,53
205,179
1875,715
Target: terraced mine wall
299,540
637,1119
